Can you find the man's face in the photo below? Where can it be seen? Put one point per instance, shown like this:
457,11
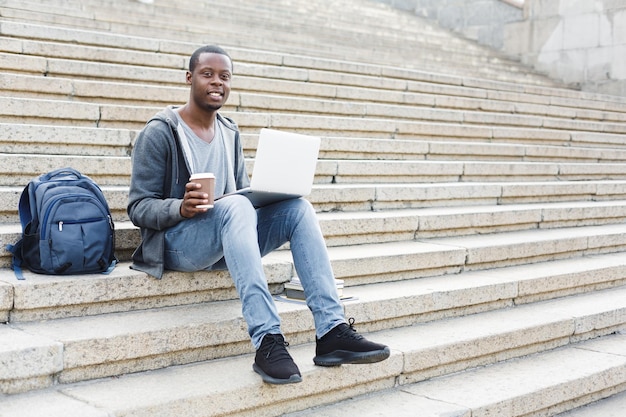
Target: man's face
210,81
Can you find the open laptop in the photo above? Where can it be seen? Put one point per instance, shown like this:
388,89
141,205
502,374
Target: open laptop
284,167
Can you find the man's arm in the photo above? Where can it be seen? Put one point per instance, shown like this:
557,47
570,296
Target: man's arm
149,203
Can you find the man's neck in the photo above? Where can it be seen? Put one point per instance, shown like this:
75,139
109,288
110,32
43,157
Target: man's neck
201,122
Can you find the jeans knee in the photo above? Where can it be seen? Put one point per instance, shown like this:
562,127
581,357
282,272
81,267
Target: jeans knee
304,204
236,207
307,209
301,206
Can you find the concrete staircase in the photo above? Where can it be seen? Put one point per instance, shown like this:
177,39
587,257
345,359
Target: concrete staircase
475,210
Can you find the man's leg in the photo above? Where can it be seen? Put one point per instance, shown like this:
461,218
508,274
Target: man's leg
228,230
337,342
295,221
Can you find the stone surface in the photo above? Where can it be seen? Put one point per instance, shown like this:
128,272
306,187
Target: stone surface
613,406
522,386
228,387
27,361
458,191
55,405
6,300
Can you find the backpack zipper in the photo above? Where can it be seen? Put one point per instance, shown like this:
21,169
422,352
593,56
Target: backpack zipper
52,203
94,219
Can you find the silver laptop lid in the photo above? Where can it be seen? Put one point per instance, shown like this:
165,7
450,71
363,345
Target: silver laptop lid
285,162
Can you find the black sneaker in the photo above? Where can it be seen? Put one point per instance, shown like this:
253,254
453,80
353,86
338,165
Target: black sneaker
274,363
343,345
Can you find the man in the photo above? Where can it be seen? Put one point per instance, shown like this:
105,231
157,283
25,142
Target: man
177,235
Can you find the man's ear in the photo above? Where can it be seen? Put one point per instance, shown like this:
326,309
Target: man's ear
188,77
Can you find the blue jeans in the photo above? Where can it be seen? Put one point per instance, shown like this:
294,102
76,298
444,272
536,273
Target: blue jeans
235,235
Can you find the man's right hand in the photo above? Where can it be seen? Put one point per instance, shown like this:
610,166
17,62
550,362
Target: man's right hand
193,198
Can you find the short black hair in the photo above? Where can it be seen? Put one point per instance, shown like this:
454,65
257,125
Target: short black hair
211,49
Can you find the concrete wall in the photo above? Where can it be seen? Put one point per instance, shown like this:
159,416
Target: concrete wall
579,42
480,20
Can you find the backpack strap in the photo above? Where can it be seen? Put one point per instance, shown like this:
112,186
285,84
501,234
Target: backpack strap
27,214
111,267
16,263
61,172
25,211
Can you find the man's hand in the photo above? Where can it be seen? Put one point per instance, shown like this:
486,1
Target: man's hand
193,198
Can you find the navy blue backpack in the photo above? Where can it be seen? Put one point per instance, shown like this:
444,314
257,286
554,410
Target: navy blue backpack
67,226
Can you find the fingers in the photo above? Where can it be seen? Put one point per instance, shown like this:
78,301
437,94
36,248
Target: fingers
192,199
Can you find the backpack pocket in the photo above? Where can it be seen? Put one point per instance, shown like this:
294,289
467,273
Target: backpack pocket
78,238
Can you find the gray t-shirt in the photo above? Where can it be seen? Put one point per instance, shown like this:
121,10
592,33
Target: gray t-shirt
208,157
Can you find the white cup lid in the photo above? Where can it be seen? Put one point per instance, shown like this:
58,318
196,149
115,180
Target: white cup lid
201,175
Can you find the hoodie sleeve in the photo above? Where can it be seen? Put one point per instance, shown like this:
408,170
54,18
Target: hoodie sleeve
150,203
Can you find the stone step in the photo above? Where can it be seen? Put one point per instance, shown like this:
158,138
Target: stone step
43,297
264,18
405,196
612,406
547,331
438,255
162,78
554,131
363,103
385,196
55,69
21,168
88,141
453,274
379,197
44,50
65,141
468,111
345,228
386,226
270,15
541,384
161,60
70,140
439,101
273,30
153,45
354,228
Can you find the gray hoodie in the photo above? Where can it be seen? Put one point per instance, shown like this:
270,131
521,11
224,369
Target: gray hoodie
157,185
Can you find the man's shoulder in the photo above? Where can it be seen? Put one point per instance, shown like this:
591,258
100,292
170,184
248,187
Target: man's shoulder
165,115
228,122
157,131
161,121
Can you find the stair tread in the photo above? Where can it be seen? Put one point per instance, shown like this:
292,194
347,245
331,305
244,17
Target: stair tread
473,207
427,257
519,280
513,388
613,406
415,349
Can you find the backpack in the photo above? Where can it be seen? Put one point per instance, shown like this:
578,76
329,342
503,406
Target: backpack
67,226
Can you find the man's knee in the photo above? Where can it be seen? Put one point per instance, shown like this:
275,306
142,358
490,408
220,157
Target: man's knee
305,207
299,204
235,206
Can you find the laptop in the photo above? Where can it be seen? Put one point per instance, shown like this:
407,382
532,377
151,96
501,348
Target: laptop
284,167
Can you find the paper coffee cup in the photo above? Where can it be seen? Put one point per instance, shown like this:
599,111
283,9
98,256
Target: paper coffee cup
207,181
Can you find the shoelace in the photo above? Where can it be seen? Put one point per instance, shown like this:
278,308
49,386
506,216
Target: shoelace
281,353
349,332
